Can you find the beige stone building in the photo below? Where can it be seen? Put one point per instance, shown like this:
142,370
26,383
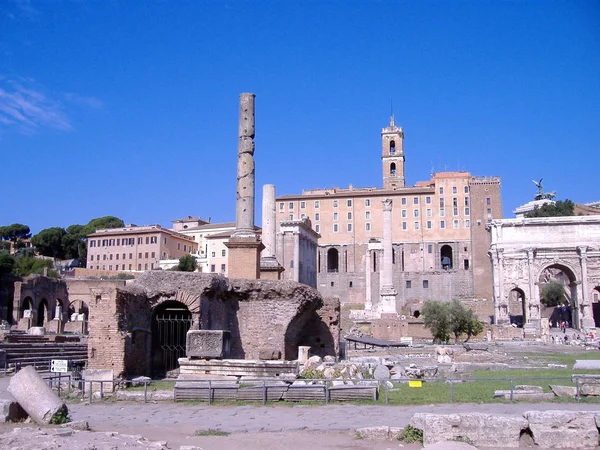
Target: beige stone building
439,238
136,248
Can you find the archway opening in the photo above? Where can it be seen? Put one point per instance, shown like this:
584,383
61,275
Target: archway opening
332,260
596,305
171,321
392,146
446,257
393,169
27,308
42,313
558,296
516,307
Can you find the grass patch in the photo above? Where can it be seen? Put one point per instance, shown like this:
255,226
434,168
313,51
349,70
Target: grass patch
154,386
212,432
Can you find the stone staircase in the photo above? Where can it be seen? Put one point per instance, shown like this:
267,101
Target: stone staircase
24,350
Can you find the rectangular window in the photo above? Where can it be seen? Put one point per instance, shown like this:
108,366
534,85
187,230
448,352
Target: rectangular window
408,284
147,239
454,201
467,223
140,240
416,213
302,205
349,215
124,255
367,215
348,203
291,217
425,284
103,257
153,255
153,240
140,255
213,254
146,255
281,206
466,201
467,211
466,189
428,212
179,246
139,267
92,243
104,242
130,266
429,248
466,264
117,256
368,226
455,223
441,202
429,224
291,205
428,200
455,211
222,268
165,241
416,225
442,212
335,203
454,190
403,200
152,266
111,242
404,225
110,257
415,200
335,227
118,242
146,266
131,256
489,212
317,204
442,224
335,216
404,213
367,202
110,267
488,201
303,216
441,190
317,228
212,268
123,267
223,252
349,227
317,216
184,247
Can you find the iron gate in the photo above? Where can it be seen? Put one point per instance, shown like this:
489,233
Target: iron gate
170,329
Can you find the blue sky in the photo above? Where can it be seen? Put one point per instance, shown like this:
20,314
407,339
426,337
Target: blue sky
130,108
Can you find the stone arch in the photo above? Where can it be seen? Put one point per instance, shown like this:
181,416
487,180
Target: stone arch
516,307
446,257
171,320
27,305
333,260
307,328
565,274
392,146
595,299
393,169
43,313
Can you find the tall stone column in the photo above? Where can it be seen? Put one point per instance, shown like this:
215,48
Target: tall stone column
297,256
245,245
269,267
368,299
585,304
388,294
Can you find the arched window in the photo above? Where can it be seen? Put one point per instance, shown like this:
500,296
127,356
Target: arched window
393,169
392,146
446,257
332,260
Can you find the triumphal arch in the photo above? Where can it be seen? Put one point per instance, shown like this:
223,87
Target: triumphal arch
527,254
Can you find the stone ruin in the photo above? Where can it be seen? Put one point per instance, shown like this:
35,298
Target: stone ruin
260,316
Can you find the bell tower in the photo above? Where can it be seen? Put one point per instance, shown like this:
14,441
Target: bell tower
392,155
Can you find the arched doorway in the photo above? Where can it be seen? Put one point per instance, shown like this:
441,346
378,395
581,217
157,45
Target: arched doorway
27,308
42,313
446,257
596,305
558,293
516,307
332,260
171,321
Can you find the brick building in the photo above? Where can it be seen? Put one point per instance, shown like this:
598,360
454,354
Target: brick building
440,242
136,248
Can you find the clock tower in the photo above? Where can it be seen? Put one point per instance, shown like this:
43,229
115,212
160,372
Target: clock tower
392,155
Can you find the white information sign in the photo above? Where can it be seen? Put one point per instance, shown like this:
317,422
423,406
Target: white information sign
59,365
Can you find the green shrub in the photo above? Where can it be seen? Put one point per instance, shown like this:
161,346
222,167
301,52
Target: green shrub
61,416
411,435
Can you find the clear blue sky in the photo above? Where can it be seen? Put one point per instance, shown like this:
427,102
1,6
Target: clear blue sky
130,108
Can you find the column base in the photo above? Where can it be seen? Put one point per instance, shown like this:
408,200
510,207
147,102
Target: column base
244,257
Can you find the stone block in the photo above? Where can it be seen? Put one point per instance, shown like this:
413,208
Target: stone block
35,396
586,379
99,377
563,429
483,430
313,362
529,388
381,373
531,397
587,364
207,344
564,391
303,353
591,389
36,331
11,411
381,432
269,354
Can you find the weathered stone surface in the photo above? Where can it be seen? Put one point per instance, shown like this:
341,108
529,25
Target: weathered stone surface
35,396
533,397
381,432
444,359
564,391
483,430
313,362
328,372
329,359
97,378
269,354
476,346
450,446
522,392
592,390
529,388
587,364
413,372
381,373
80,425
37,331
563,429
207,344
585,379
11,411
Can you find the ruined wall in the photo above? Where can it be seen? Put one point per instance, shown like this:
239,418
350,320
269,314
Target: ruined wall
42,295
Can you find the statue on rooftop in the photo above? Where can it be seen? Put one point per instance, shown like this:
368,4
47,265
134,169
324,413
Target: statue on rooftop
541,195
